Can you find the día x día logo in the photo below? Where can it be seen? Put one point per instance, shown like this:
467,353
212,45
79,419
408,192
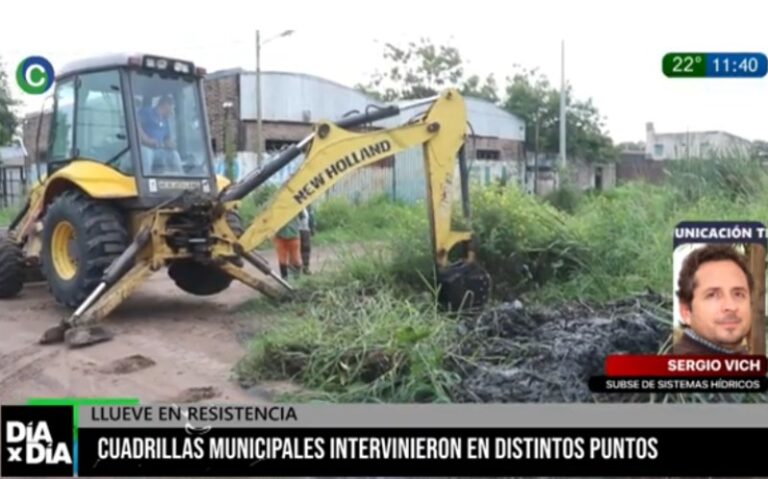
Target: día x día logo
37,441
32,443
34,75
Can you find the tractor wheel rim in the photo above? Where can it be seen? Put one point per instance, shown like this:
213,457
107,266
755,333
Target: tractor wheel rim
63,250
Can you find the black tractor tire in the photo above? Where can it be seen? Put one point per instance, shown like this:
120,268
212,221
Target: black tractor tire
11,269
202,279
100,236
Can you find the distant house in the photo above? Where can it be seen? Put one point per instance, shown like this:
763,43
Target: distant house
693,144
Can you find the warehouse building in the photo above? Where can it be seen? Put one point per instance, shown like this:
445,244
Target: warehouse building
293,102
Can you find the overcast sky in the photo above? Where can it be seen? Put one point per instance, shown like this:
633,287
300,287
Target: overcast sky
613,49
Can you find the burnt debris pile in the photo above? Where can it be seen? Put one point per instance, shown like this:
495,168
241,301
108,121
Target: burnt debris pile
515,353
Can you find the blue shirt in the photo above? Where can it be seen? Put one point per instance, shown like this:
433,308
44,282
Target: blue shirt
155,126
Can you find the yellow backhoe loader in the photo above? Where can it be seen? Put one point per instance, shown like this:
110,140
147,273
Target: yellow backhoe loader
129,187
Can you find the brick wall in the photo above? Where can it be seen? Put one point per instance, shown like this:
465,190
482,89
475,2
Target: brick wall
217,92
273,131
29,133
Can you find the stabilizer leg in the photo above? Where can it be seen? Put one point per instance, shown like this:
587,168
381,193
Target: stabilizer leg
240,275
120,280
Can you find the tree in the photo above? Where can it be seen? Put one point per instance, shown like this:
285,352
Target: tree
530,96
8,120
423,69
486,91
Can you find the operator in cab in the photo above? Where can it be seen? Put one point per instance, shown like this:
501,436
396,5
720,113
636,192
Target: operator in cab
158,152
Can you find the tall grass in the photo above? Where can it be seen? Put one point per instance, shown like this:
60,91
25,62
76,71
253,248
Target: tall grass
7,215
372,332
339,220
352,344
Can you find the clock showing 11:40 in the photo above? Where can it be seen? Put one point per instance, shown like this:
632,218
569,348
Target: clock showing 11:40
715,65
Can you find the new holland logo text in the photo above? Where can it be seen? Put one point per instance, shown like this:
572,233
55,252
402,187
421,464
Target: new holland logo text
341,165
32,443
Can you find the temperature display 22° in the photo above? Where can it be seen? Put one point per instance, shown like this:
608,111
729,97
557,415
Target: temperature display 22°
715,65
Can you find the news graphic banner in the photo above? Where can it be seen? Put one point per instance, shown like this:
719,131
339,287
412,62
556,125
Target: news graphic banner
720,232
386,440
629,373
720,371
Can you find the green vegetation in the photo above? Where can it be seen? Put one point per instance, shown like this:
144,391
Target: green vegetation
371,330
349,343
6,215
338,220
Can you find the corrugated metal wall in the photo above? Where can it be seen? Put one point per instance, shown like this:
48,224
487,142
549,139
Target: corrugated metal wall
487,119
298,97
364,184
409,176
403,181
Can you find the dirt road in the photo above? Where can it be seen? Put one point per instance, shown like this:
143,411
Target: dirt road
169,346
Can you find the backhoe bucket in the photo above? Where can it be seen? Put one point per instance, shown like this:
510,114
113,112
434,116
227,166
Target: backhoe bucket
463,286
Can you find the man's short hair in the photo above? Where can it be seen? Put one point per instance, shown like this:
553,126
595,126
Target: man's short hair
686,282
165,100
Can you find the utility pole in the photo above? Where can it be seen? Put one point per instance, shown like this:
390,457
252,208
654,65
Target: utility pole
259,131
536,157
562,106
259,148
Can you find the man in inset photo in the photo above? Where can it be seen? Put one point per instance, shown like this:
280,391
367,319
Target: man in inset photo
715,290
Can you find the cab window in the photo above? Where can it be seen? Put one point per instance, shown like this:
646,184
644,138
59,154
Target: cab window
100,131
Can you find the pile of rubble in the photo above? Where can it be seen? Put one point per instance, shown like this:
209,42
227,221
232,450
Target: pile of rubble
514,353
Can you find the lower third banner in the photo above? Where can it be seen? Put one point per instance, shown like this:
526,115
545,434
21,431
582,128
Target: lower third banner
383,440
404,452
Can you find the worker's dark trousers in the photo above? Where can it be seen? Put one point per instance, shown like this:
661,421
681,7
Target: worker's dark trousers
306,248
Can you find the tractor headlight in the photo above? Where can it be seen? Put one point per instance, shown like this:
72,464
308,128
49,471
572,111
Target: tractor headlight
181,67
162,64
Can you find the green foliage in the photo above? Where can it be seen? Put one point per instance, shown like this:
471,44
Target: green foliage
352,344
524,242
340,220
336,213
371,330
254,203
8,119
628,236
6,215
531,97
229,165
423,69
566,198
733,178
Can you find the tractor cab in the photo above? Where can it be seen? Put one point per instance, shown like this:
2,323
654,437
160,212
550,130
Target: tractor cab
142,116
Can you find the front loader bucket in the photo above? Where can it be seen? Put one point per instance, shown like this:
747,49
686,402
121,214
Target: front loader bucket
463,286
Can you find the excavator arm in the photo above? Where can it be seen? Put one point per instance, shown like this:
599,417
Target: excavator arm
335,152
332,152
